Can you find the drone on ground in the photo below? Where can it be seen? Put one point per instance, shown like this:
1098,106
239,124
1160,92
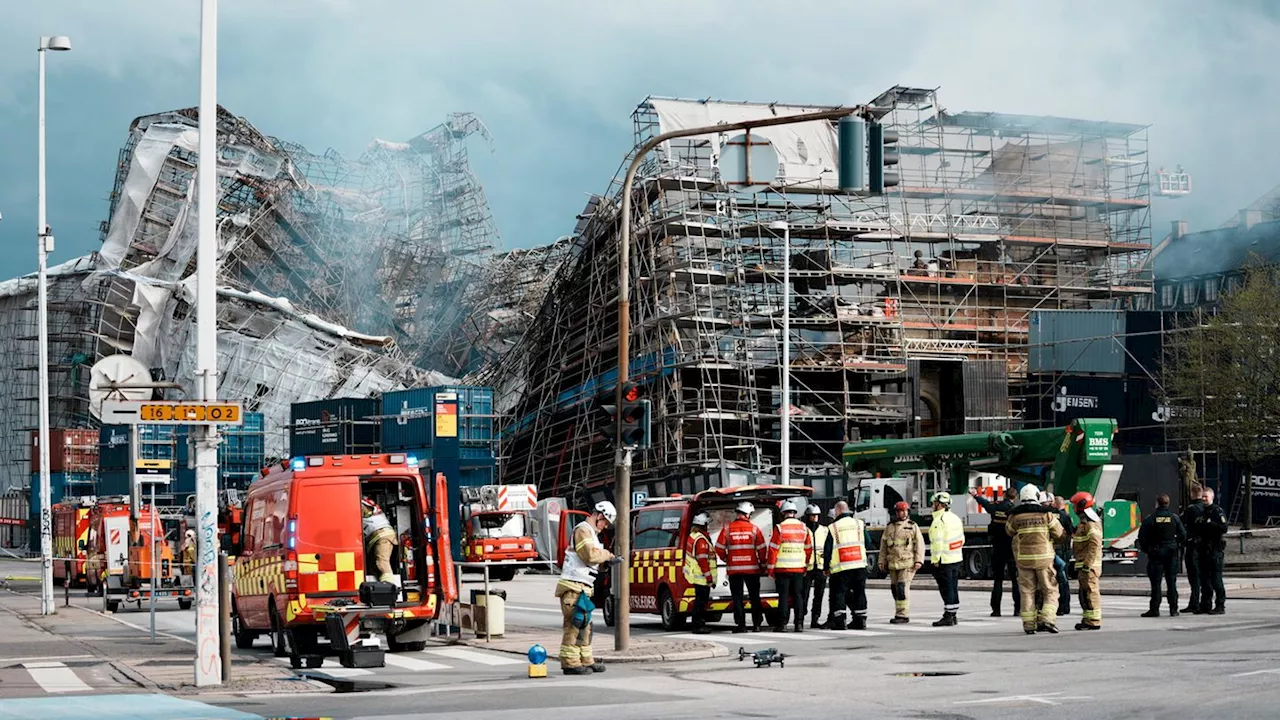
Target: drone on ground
763,658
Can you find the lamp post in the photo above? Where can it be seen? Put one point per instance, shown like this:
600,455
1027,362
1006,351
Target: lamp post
44,245
785,421
622,483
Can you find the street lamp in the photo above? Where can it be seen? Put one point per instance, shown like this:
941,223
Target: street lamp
785,460
44,245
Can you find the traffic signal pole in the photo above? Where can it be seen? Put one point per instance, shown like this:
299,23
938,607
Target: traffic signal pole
622,482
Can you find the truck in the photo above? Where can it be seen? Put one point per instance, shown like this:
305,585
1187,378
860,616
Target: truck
125,550
1066,459
302,573
496,527
660,527
71,539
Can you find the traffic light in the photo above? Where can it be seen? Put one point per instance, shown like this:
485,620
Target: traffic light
633,419
882,151
851,133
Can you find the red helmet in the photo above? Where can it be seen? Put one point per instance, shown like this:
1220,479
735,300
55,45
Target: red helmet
1082,501
903,506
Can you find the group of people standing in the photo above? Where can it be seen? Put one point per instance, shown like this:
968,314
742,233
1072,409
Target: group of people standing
1198,537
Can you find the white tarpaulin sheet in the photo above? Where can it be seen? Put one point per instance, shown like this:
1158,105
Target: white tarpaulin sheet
807,154
148,157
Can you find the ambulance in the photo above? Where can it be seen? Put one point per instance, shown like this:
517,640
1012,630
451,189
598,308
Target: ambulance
71,540
302,574
659,530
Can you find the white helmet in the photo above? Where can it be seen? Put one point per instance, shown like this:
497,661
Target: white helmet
812,510
790,506
746,508
1028,493
701,519
606,508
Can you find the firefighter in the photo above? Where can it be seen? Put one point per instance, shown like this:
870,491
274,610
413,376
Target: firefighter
578,577
816,578
946,548
1001,550
1034,529
1191,515
790,556
902,554
1086,549
741,545
845,555
187,553
1160,537
379,538
700,570
1210,528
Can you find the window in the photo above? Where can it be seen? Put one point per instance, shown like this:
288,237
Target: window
1189,292
1211,289
863,501
658,528
1166,295
253,539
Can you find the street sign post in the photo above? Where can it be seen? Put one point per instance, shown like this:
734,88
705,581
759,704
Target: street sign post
117,412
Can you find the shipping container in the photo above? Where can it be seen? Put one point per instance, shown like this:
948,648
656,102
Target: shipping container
237,445
155,442
70,450
340,426
1078,342
15,518
416,418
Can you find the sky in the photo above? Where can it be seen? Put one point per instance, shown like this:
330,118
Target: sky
555,81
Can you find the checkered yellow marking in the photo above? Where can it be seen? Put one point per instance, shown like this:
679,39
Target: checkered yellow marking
259,576
660,565
345,561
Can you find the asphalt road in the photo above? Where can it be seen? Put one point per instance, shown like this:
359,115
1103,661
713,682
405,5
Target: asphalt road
1189,666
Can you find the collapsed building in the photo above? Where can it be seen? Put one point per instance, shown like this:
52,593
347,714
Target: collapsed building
337,277
909,312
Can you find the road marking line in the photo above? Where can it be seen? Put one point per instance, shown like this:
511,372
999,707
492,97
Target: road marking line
1274,671
340,672
55,677
476,656
533,609
1055,698
10,662
412,663
1240,627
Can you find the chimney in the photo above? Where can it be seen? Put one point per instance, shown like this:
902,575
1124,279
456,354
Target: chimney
1249,218
1179,229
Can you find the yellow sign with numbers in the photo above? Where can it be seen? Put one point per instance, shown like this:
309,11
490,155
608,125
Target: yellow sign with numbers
190,412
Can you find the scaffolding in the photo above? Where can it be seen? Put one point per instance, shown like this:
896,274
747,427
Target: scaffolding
337,277
909,311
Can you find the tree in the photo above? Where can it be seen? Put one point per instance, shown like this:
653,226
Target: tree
1222,376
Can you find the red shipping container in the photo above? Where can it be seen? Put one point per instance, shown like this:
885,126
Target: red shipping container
70,450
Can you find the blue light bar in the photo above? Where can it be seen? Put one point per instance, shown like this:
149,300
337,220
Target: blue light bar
411,460
298,464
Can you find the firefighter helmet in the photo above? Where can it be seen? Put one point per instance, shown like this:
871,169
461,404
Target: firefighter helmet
701,519
1029,494
790,506
746,508
606,508
903,506
812,510
942,498
1082,500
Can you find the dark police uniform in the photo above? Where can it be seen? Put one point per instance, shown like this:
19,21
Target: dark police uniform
1160,537
1209,529
1063,551
1001,553
1191,553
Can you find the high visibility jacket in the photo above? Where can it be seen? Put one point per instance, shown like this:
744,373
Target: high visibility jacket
1034,528
741,545
791,547
818,561
901,545
1086,546
946,538
582,561
847,541
699,560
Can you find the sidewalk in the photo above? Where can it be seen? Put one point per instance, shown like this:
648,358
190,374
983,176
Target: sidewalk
1238,587
518,640
137,664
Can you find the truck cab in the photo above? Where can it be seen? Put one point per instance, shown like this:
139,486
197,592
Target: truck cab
496,527
304,575
71,539
660,527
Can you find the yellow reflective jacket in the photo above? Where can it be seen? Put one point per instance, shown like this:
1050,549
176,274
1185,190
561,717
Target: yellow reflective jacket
1034,528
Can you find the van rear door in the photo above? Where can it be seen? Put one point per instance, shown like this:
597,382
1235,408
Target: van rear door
329,539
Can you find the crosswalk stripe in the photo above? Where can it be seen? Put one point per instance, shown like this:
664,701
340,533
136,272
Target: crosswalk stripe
411,663
476,656
54,677
341,672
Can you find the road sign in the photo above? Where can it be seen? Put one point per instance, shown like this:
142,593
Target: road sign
116,412
638,497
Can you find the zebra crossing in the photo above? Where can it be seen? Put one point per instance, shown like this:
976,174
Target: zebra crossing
49,676
444,659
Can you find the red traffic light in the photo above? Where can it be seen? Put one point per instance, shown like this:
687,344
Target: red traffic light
630,392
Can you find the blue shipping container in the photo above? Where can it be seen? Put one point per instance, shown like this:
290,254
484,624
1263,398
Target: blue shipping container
339,426
1079,342
155,442
470,475
409,417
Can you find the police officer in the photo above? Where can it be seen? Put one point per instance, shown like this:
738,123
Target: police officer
1160,537
1210,528
1063,555
1191,550
1086,546
902,554
845,555
946,550
700,569
1001,550
1034,529
815,580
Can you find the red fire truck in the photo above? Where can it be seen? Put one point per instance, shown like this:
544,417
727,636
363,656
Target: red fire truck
70,539
496,527
659,529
